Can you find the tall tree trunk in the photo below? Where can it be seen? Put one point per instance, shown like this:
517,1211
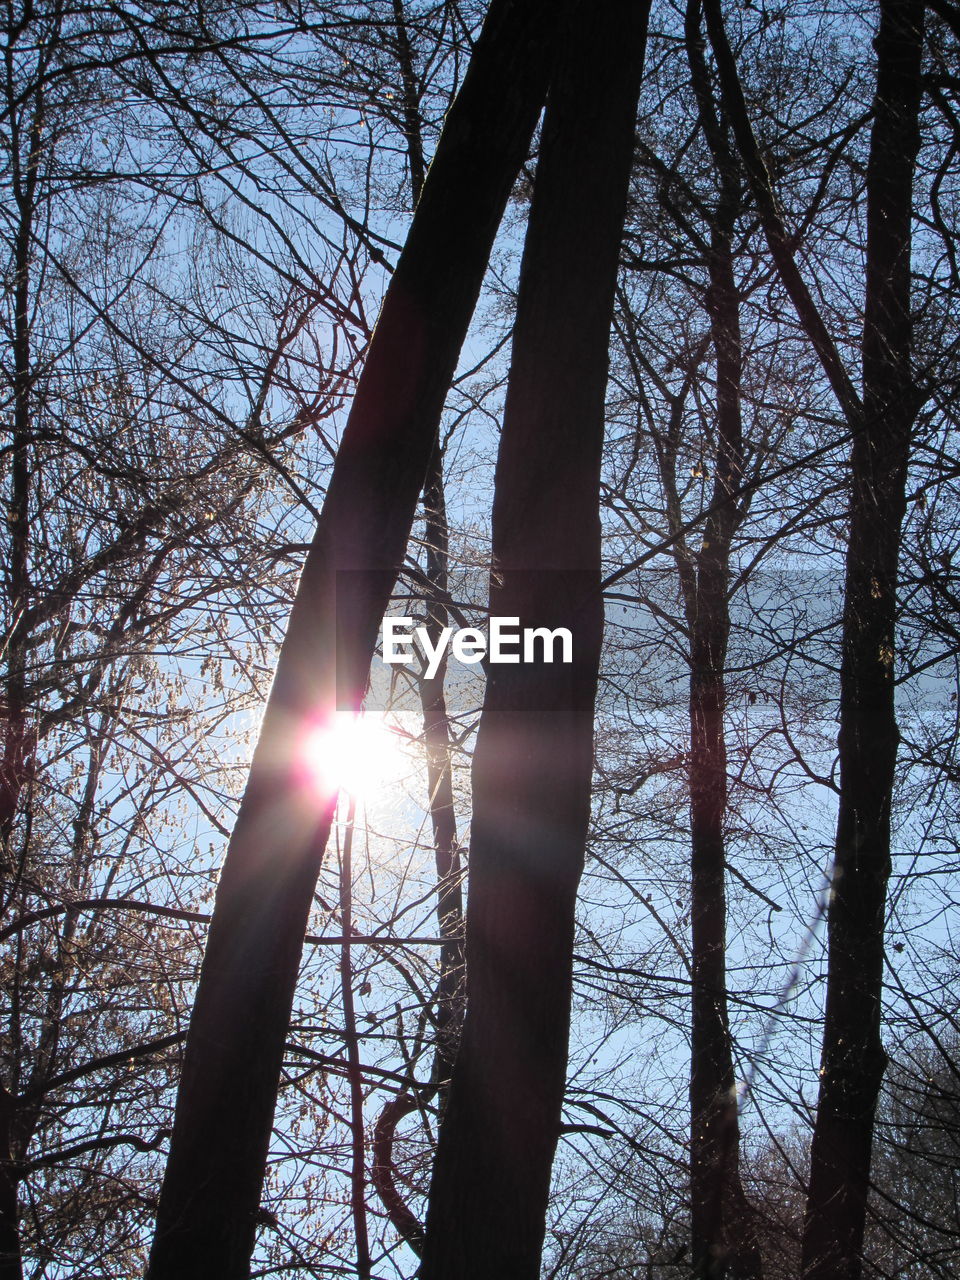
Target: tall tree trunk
433,704
211,1191
358,1202
722,1236
723,1240
534,755
436,734
853,1058
443,818
450,985
16,740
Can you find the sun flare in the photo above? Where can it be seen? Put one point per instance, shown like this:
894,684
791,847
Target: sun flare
361,754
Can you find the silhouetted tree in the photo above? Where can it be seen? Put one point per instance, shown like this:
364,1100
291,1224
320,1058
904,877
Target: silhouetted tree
533,762
211,1191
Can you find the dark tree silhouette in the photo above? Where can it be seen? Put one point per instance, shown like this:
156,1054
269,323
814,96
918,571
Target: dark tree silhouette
211,1191
880,423
534,757
723,1241
853,1057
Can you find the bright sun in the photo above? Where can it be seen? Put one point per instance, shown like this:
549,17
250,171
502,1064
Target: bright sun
361,754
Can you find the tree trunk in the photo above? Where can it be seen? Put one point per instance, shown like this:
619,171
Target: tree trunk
722,1235
443,818
723,1240
211,1191
853,1058
534,755
11,1263
436,724
436,736
16,738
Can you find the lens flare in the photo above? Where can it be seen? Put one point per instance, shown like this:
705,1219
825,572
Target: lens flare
360,754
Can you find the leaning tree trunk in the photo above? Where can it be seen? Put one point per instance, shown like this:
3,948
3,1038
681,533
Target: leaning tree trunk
853,1058
534,755
211,1192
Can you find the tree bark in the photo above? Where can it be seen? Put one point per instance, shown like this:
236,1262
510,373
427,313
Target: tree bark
534,755
853,1058
211,1191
